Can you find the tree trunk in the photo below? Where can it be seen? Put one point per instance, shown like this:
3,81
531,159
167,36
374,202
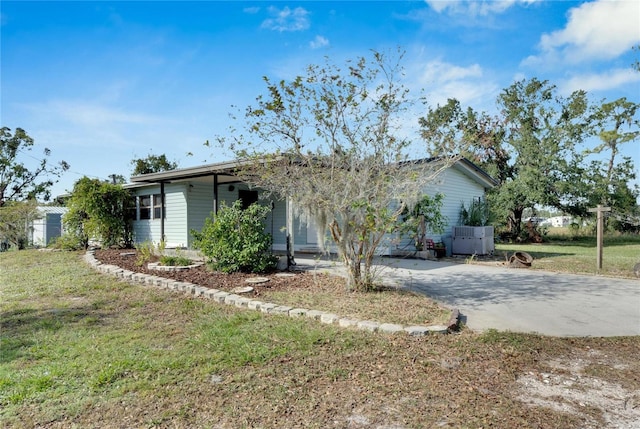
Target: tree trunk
514,222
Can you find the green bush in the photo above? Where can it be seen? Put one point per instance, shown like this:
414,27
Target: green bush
102,211
145,253
67,241
175,261
235,240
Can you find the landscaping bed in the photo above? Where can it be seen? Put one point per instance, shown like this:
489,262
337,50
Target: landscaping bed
307,289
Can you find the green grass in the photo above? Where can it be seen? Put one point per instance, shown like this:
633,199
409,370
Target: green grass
577,255
79,349
71,337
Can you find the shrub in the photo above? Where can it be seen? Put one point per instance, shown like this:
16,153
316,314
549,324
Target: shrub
145,253
67,241
235,240
175,261
100,210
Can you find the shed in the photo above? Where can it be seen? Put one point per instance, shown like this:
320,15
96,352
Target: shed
48,226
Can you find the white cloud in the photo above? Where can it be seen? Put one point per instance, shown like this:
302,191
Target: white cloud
441,80
251,10
438,71
94,115
319,42
287,19
599,30
474,7
601,82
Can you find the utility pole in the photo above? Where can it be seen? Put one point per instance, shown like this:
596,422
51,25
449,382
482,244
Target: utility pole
600,232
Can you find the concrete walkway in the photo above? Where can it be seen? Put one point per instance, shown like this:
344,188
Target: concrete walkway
518,300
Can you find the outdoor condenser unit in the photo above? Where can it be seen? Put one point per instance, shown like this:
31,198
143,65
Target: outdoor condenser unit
472,240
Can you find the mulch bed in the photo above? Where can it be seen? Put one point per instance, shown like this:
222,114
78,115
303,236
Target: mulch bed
204,276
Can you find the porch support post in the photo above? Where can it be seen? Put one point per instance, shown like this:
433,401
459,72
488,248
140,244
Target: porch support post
162,210
215,194
290,240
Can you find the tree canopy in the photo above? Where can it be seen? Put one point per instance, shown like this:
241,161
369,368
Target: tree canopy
15,222
529,147
18,181
152,164
100,210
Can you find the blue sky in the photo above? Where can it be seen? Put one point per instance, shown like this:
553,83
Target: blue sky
101,83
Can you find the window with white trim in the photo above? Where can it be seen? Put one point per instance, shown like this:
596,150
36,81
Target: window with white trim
157,206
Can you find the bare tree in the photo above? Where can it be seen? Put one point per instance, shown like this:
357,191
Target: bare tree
332,141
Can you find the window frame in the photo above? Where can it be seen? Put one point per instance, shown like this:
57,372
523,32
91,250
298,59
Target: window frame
145,210
157,205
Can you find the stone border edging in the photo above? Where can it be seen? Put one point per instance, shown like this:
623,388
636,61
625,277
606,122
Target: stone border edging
236,300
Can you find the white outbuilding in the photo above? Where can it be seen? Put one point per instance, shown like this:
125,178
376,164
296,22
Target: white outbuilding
47,226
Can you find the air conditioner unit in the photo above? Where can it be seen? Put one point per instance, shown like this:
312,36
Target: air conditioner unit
472,240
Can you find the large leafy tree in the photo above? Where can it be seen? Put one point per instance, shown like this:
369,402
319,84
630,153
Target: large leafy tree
331,140
618,124
152,164
19,181
529,146
100,210
610,179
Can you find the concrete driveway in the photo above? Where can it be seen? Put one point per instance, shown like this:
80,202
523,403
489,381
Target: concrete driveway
518,300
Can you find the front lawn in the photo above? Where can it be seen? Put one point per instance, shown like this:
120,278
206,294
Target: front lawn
80,349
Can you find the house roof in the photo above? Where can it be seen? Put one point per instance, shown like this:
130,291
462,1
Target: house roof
226,173
472,170
52,209
221,168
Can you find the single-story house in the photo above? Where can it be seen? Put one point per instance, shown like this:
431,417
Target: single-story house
172,203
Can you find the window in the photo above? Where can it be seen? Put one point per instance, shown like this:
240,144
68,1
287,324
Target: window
247,197
157,206
145,207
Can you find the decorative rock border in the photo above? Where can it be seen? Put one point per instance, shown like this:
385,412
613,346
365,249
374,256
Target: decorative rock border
236,300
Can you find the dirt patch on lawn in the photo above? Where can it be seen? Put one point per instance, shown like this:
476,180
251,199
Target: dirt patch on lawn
570,387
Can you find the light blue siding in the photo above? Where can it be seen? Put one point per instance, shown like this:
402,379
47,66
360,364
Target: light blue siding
276,222
456,188
199,207
188,204
175,214
175,201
